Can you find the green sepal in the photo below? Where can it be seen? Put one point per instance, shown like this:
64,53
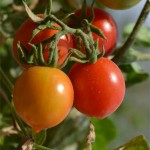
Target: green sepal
65,61
48,10
40,54
97,31
21,54
51,53
92,15
78,53
67,16
55,57
84,9
35,53
37,30
101,54
31,15
50,25
82,61
23,48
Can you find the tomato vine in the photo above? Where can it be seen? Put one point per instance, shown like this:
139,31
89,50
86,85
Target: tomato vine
92,57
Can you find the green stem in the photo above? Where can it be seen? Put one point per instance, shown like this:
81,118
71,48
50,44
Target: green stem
49,8
53,57
6,81
73,31
40,147
128,43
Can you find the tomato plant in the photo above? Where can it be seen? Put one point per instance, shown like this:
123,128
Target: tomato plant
119,4
99,88
43,97
105,23
24,34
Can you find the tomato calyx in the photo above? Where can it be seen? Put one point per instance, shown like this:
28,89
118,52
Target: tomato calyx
49,21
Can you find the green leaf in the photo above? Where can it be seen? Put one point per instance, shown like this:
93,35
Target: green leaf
105,132
143,36
133,55
71,130
78,53
5,2
138,143
37,30
10,142
133,73
40,137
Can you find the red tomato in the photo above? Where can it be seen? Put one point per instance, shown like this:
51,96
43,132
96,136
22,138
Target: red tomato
119,4
106,24
24,34
43,97
98,88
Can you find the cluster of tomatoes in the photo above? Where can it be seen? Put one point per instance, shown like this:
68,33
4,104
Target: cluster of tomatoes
43,96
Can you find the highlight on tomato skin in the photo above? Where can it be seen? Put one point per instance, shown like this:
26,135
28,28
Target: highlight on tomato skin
43,97
24,34
105,22
119,4
99,88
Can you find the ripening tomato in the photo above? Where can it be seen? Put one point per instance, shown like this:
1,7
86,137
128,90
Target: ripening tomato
119,4
105,23
24,34
98,88
43,97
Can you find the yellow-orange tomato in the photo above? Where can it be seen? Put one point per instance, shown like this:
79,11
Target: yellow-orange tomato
43,97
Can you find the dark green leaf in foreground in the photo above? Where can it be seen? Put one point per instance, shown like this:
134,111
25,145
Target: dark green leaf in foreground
133,73
138,143
133,55
105,132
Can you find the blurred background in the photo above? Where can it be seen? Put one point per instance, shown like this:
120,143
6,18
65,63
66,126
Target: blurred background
134,117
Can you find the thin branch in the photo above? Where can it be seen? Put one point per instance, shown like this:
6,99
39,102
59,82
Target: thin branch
128,43
6,81
90,138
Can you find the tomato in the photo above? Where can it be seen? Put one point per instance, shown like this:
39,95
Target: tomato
119,4
24,34
98,88
105,23
43,97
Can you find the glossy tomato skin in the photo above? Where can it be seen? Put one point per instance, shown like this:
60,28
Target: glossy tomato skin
106,24
24,33
119,4
99,88
43,97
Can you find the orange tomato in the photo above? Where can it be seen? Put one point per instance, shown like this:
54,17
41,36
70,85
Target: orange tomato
43,97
